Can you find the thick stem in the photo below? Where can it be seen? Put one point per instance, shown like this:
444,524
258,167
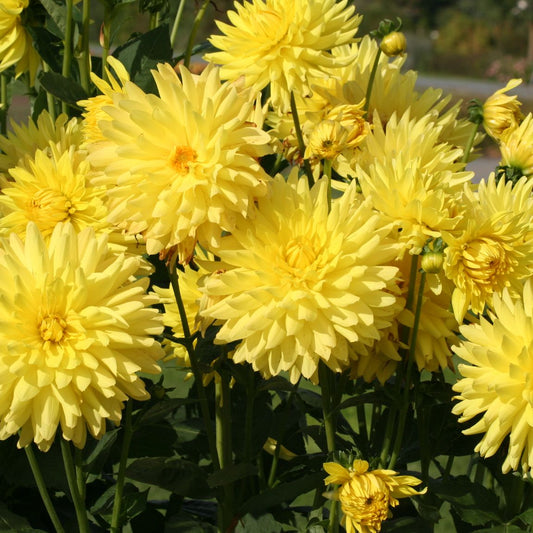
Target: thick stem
106,39
43,491
84,53
79,504
327,173
127,429
404,408
50,102
176,25
5,104
67,45
300,139
470,143
371,81
194,30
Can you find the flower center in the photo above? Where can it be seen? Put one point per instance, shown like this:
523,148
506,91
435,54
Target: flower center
300,252
486,259
52,328
48,207
181,157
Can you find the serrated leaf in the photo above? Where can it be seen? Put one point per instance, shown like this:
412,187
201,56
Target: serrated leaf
48,46
133,502
266,522
161,410
231,474
176,475
65,89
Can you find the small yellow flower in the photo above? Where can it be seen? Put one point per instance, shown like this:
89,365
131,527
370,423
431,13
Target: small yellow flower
284,44
94,106
501,112
367,496
516,146
492,246
16,46
327,140
393,44
76,328
497,382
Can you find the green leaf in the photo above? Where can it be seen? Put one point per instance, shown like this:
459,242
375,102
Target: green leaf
143,53
282,493
249,524
10,521
48,46
176,475
502,528
405,525
154,440
231,474
133,502
161,410
181,524
100,454
66,89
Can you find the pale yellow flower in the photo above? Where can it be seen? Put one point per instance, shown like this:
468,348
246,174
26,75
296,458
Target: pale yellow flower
284,44
496,380
366,496
22,141
492,247
300,284
515,148
94,106
16,46
51,188
501,112
183,165
412,178
76,327
327,140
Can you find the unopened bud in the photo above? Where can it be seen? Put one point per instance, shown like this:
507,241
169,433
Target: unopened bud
432,262
393,44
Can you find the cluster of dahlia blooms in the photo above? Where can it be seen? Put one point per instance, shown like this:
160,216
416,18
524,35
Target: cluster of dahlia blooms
320,213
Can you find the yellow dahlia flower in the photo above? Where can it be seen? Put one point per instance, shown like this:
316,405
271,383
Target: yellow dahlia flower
22,141
492,247
53,188
284,44
94,111
367,495
496,379
516,150
181,165
16,47
411,177
501,112
300,284
75,329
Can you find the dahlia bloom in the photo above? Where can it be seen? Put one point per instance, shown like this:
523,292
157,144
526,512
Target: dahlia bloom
23,140
284,44
298,284
75,329
496,379
16,47
367,495
52,188
183,165
501,112
492,246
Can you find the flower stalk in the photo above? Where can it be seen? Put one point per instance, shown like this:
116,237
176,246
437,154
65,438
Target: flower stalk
194,30
301,144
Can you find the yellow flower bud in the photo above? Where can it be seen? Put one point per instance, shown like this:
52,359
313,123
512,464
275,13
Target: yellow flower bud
432,262
501,112
327,140
393,44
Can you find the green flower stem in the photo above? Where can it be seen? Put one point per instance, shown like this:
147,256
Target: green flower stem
301,144
106,38
281,434
470,143
5,104
154,20
67,45
50,102
223,440
79,504
404,338
176,25
448,467
80,474
371,81
328,410
43,491
84,54
204,404
127,433
327,173
408,375
194,30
